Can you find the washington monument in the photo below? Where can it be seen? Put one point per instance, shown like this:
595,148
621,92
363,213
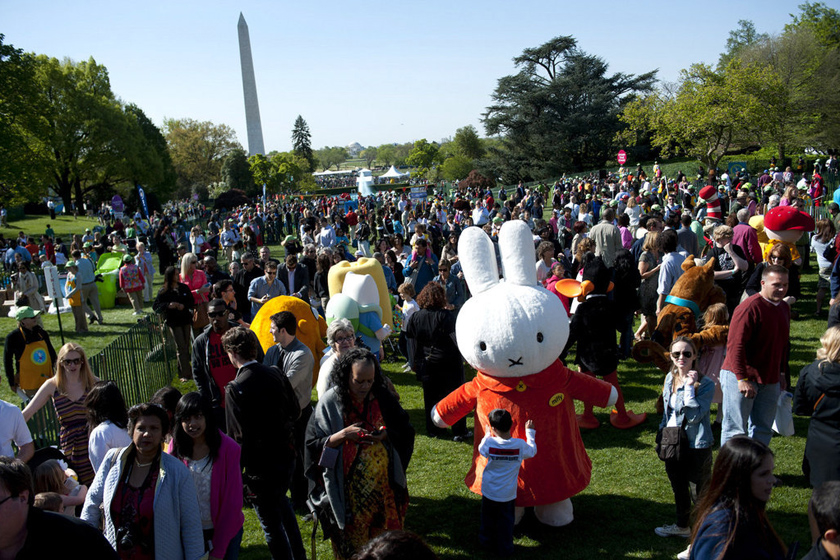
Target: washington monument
249,85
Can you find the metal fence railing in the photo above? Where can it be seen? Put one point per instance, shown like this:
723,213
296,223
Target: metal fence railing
140,361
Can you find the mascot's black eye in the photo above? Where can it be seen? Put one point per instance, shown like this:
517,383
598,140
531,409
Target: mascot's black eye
539,337
482,346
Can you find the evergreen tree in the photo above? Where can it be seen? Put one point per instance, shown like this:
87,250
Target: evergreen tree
302,141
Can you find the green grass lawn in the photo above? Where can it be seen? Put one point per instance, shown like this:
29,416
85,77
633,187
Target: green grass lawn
64,226
629,494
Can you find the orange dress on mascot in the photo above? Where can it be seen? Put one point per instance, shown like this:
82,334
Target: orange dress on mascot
511,332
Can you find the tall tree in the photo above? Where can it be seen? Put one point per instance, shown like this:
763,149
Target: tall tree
560,112
708,113
744,36
302,141
329,156
236,173
423,156
456,167
369,155
22,171
93,144
198,149
152,165
468,143
282,172
823,21
386,154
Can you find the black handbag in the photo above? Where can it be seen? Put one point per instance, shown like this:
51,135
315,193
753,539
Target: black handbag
672,442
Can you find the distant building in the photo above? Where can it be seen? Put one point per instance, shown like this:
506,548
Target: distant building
354,149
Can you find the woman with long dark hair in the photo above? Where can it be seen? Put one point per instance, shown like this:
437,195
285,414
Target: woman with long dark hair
731,520
358,445
323,262
213,460
107,421
175,302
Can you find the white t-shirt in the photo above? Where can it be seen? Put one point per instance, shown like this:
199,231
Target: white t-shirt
504,457
13,428
543,270
104,437
409,308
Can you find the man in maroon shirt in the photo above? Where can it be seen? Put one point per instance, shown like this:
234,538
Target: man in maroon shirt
756,354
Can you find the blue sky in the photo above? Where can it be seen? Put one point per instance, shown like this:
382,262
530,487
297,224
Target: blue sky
367,71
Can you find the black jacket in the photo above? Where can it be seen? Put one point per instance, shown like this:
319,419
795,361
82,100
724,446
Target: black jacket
818,395
175,317
250,405
241,283
301,280
593,328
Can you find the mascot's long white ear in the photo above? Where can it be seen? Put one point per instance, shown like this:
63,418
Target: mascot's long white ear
478,260
516,245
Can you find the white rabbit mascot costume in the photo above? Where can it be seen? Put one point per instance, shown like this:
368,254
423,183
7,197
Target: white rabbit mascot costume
512,332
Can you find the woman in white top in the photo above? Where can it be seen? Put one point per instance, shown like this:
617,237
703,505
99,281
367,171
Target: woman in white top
634,210
107,421
196,239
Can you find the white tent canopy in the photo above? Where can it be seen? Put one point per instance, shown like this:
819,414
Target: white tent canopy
393,173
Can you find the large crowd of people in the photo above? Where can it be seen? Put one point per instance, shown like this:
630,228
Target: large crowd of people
168,478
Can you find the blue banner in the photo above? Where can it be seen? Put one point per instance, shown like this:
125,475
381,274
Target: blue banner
142,194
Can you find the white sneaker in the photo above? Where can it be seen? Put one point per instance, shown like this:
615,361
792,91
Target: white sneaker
673,531
685,554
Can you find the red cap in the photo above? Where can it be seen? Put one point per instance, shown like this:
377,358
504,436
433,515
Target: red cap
785,218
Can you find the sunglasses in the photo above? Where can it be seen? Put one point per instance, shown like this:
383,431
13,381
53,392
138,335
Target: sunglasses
213,314
7,498
686,354
271,273
72,361
344,339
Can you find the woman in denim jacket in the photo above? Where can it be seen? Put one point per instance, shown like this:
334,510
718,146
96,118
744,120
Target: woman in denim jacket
688,398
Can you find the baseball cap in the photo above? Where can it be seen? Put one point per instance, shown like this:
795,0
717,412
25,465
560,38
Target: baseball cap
26,312
71,264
